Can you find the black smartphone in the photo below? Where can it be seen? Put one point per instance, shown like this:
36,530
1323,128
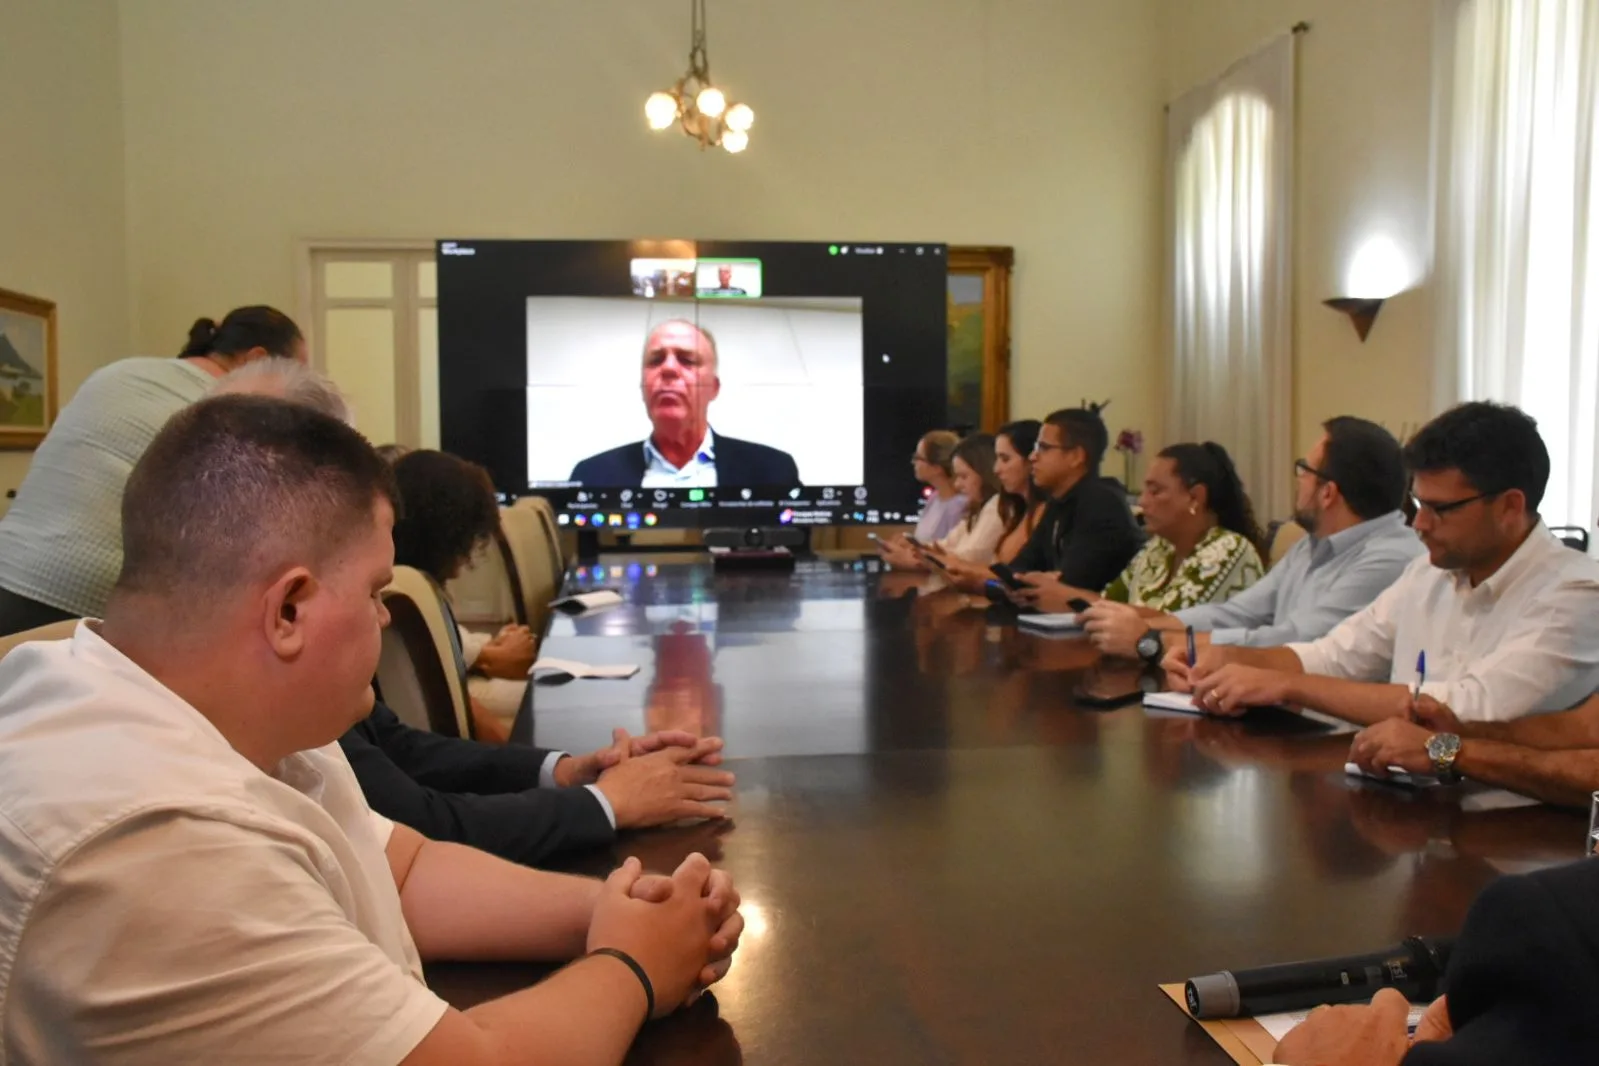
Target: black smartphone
935,560
1007,577
1115,694
1079,605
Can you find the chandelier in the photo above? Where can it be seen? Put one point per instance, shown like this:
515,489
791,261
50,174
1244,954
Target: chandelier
699,107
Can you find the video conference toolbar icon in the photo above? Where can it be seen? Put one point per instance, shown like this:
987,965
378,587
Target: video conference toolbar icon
745,493
582,497
627,494
828,494
660,496
793,494
696,495
860,492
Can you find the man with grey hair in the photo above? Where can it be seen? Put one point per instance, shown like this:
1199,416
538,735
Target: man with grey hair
286,379
679,381
188,870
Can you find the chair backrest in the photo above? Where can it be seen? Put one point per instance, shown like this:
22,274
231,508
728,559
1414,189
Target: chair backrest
482,593
546,515
54,631
531,561
1572,536
1282,536
420,671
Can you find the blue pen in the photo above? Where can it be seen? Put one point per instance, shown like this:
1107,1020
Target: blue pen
1421,679
1191,655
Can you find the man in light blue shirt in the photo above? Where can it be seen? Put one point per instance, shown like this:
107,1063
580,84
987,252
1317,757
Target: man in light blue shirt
1349,493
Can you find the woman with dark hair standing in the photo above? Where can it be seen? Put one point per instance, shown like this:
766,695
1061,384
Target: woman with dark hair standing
1204,543
61,541
448,513
975,535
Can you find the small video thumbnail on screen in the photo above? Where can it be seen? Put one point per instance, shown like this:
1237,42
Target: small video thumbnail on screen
709,279
652,392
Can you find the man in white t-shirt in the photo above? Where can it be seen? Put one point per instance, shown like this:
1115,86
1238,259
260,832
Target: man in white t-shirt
188,870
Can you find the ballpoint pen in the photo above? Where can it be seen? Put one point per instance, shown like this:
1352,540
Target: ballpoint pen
1421,679
1191,655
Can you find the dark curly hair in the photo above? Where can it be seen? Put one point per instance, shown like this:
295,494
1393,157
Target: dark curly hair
448,509
1208,464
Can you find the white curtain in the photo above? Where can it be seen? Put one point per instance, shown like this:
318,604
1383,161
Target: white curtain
1229,188
1518,240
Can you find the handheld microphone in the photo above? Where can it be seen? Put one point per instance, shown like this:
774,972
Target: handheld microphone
1414,968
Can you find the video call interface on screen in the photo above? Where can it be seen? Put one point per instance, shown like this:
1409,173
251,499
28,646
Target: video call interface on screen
678,383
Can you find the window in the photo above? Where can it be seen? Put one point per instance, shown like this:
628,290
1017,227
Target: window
1518,165
372,312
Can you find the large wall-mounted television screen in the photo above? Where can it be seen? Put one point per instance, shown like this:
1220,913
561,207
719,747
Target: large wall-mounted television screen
694,383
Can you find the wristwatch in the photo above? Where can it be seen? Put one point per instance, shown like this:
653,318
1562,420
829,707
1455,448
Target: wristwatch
1150,647
1443,749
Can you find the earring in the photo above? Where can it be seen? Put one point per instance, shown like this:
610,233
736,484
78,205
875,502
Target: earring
1193,508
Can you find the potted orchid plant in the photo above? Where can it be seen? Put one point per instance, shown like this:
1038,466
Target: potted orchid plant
1130,442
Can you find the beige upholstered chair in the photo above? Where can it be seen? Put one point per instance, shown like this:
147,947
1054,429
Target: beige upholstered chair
546,515
1285,536
531,562
420,673
54,631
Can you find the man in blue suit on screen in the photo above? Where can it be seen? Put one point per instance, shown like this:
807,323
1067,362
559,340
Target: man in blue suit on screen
682,452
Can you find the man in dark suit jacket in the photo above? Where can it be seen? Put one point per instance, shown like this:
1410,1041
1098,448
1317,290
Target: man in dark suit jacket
679,382
1521,988
527,804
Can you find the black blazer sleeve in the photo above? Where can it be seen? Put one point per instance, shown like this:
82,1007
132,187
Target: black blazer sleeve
449,763
1101,540
1524,978
525,827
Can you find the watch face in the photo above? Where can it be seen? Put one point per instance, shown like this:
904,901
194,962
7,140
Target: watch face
1443,746
1149,646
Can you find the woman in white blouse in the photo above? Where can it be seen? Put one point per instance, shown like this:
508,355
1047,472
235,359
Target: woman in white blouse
976,534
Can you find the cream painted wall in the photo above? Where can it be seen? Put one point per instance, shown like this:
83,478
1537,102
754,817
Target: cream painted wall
1033,123
1365,71
62,227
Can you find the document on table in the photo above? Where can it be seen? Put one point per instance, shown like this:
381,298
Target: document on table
1050,621
587,601
1279,1024
576,669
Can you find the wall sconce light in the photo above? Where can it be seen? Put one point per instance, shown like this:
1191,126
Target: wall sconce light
1361,312
1378,270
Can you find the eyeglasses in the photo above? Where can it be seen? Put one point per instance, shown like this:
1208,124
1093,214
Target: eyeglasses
1043,446
1302,467
1439,510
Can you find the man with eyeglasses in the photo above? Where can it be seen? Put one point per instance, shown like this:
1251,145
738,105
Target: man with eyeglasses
1503,615
1088,535
1348,497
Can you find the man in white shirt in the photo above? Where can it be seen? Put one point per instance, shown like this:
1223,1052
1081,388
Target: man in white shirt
188,870
1501,618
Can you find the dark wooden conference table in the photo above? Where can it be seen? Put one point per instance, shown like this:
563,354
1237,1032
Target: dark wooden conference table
945,858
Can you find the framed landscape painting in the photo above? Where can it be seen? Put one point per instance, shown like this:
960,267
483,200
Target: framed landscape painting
27,369
979,337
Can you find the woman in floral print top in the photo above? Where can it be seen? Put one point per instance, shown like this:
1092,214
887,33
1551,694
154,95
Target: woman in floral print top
1204,542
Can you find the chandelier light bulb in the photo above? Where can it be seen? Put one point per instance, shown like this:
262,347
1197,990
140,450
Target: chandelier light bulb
739,117
661,110
735,141
711,102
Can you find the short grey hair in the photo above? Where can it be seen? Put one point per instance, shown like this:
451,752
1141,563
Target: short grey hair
288,380
710,338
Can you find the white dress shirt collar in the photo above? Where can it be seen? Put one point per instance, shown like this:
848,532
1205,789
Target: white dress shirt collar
698,472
